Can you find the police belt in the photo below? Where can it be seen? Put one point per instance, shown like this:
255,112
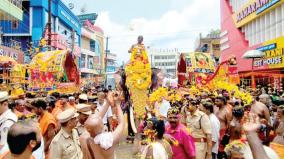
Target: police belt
200,139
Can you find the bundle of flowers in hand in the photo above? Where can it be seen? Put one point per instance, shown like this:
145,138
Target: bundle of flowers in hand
174,97
158,95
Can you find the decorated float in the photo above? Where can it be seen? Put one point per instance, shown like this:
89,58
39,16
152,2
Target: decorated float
12,75
54,71
199,65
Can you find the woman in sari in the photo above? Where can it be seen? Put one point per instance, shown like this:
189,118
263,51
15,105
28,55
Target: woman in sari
157,147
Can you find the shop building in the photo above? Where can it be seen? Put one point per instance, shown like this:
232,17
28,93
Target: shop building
92,50
254,25
12,13
32,27
11,10
111,69
209,44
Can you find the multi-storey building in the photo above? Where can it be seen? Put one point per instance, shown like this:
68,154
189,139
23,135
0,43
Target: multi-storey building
92,50
209,44
32,28
111,68
11,12
164,59
254,25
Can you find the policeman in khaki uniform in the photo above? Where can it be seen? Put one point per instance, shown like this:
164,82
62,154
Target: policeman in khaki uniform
66,145
200,129
84,111
7,119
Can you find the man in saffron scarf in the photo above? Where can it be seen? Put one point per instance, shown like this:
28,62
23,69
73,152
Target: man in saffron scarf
47,122
181,69
183,147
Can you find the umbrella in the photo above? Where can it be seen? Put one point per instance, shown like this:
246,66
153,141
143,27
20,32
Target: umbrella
253,54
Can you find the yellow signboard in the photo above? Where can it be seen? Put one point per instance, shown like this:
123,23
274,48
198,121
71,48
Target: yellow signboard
274,54
254,9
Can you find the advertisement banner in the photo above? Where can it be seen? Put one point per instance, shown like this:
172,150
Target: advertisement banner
274,54
10,52
253,9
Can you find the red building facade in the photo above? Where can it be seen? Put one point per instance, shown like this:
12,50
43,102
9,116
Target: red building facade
254,25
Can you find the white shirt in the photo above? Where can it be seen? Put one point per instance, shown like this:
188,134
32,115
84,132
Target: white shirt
7,119
215,124
163,108
108,113
39,153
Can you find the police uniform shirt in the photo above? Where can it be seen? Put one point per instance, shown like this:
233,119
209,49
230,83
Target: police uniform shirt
65,146
80,129
199,124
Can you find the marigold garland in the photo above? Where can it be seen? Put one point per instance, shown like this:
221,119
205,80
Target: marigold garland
138,78
138,71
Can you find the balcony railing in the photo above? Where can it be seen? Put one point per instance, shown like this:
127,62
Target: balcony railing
13,8
17,3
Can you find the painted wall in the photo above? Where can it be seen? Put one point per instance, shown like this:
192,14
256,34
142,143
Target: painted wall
237,43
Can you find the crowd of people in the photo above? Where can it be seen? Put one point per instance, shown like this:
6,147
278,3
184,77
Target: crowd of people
60,126
217,125
90,124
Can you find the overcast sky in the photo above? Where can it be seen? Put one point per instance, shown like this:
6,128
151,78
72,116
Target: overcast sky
165,24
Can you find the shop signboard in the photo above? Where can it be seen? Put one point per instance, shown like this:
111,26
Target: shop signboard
15,54
253,10
274,54
70,19
92,17
59,42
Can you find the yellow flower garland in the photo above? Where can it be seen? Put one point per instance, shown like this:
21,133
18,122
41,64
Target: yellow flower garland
174,96
138,71
158,95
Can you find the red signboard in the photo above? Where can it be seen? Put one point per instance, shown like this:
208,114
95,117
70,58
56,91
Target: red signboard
59,42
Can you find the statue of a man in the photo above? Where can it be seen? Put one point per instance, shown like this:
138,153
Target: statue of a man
139,45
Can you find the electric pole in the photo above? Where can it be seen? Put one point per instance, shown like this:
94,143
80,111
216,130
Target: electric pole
107,38
49,24
73,41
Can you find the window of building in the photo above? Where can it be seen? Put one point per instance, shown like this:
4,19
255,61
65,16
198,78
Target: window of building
267,27
90,62
216,46
98,50
83,61
93,45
